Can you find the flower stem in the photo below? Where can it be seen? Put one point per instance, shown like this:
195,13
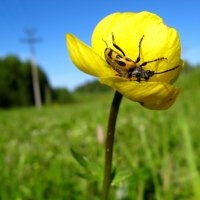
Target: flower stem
109,144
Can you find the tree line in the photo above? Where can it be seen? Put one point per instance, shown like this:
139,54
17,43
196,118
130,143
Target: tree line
16,87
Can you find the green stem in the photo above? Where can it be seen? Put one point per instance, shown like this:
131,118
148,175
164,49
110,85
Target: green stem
109,144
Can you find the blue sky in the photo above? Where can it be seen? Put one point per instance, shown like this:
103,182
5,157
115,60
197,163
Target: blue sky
54,18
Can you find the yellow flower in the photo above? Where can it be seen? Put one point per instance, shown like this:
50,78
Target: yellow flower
126,30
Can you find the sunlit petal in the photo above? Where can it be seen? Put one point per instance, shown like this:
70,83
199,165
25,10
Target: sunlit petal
86,59
165,103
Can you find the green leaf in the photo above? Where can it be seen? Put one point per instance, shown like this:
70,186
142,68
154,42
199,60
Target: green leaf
79,158
120,177
93,171
87,176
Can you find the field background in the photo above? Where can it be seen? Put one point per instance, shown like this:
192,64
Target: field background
159,150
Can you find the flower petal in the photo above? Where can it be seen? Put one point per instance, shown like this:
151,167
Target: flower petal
166,103
159,41
86,59
152,95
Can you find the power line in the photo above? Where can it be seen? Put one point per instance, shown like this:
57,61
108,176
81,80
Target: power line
31,40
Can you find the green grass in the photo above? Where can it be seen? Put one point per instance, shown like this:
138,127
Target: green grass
160,150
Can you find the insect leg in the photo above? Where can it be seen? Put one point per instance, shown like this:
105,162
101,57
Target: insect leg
157,59
116,46
138,58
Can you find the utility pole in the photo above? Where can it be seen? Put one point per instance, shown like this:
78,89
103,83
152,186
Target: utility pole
31,40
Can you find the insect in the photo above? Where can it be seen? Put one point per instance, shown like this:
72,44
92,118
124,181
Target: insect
128,68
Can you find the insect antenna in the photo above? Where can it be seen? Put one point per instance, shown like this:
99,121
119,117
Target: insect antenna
138,58
116,46
167,70
105,43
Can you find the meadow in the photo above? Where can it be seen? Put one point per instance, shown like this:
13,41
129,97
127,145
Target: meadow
157,150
